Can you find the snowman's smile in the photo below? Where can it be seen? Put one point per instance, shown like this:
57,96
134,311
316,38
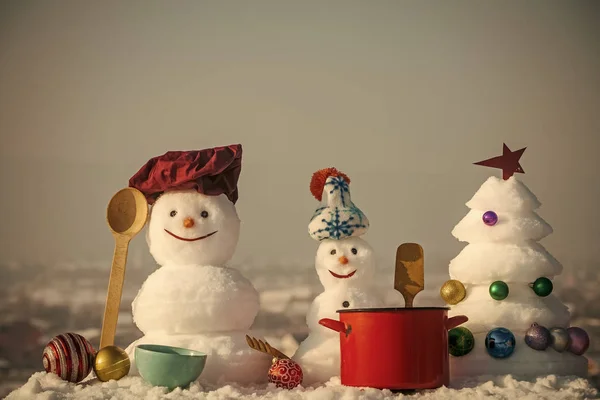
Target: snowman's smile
190,239
341,276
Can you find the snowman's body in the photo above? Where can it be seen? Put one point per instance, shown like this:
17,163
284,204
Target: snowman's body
346,269
193,300
186,299
326,305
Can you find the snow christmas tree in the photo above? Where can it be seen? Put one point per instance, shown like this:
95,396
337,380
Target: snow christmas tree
502,280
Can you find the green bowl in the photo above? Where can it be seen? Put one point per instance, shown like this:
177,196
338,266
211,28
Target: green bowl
168,366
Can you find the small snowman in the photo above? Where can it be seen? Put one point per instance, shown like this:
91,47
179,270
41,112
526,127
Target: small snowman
346,267
194,300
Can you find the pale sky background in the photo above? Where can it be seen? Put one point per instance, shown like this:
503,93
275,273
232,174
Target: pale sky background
403,96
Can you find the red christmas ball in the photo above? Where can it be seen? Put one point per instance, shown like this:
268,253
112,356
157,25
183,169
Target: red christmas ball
285,373
70,356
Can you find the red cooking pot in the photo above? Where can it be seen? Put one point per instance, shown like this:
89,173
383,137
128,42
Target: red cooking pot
394,348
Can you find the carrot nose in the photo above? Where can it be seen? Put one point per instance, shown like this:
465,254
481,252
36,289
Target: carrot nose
343,260
188,222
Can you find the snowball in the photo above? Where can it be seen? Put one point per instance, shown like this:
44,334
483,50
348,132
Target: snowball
229,358
194,299
328,261
327,303
509,262
319,358
524,362
211,215
510,228
508,196
517,312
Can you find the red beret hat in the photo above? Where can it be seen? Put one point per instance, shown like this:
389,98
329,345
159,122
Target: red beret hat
211,172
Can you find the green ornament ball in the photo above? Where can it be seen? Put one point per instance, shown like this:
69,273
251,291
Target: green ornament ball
542,286
499,290
460,341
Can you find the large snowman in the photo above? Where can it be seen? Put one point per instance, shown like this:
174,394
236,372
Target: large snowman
346,266
194,300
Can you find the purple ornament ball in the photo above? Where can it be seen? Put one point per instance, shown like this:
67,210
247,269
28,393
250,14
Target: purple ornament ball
537,337
490,218
580,341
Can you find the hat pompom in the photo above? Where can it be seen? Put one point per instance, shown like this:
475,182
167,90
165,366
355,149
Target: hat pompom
317,183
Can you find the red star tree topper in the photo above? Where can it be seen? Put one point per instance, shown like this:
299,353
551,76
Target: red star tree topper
508,162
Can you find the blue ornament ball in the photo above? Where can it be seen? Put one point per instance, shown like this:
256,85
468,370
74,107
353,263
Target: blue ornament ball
490,218
500,343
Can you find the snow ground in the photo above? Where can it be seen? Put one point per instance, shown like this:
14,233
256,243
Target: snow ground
36,296
49,387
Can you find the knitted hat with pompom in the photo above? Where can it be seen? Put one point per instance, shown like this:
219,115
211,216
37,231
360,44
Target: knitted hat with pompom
339,218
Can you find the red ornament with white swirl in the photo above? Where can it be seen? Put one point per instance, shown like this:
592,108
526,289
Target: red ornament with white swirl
285,373
70,356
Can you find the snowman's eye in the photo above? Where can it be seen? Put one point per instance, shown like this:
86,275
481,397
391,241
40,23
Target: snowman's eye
332,252
204,214
173,213
354,251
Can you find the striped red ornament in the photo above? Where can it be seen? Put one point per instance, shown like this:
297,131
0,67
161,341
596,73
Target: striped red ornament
70,356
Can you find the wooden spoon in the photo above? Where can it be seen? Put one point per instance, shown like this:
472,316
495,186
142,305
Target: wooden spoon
126,214
410,275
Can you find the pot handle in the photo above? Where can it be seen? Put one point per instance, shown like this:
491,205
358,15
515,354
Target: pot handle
334,325
453,322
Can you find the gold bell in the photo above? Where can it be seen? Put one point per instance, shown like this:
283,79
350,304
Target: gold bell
453,291
111,363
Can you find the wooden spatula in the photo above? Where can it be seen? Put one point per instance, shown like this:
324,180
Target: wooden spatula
410,274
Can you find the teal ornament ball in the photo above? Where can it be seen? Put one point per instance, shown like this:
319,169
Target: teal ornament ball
542,286
460,341
560,339
499,290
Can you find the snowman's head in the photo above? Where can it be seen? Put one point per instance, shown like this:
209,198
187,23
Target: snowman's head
346,262
187,228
